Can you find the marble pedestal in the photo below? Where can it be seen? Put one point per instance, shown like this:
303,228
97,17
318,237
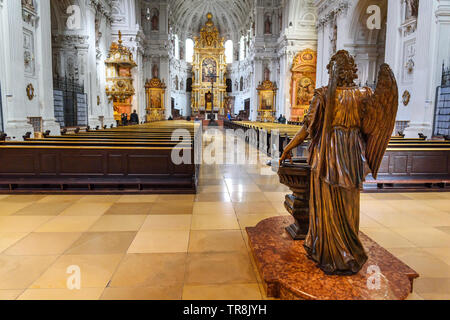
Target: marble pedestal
287,273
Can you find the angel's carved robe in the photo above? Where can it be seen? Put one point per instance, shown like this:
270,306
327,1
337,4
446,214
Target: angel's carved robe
333,239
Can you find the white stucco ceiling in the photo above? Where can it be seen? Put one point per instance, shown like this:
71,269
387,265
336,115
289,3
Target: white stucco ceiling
230,16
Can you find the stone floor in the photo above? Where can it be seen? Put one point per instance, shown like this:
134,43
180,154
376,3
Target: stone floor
191,246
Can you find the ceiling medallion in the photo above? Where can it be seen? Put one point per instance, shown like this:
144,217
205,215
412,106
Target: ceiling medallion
406,98
30,92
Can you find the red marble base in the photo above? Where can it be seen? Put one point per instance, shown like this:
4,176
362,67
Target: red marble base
287,273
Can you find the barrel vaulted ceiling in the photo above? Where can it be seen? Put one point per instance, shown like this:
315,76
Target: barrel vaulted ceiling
230,16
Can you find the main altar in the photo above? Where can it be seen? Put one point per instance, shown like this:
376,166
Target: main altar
209,70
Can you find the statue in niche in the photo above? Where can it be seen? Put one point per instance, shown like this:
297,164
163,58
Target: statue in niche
350,128
155,71
28,3
268,25
155,20
266,74
412,9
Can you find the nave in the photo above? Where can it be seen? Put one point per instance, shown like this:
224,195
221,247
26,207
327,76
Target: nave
192,246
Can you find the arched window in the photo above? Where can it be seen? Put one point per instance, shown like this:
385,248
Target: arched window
177,48
242,49
189,50
229,51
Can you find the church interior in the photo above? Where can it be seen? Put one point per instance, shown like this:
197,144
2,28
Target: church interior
225,150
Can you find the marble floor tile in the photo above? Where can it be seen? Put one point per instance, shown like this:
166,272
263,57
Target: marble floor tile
213,197
68,224
425,286
95,271
170,292
425,237
425,264
214,222
7,239
176,197
129,209
100,198
9,208
251,220
86,209
212,188
166,222
222,292
60,198
387,238
41,244
23,198
102,243
219,268
172,207
216,241
9,294
43,209
211,208
138,198
22,223
248,197
263,207
18,272
249,187
61,294
113,223
149,270
160,241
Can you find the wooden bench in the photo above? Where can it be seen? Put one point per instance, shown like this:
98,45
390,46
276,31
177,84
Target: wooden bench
137,159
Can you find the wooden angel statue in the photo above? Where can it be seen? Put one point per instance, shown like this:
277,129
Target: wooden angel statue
349,128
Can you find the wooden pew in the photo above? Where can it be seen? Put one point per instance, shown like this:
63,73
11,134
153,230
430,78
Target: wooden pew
136,159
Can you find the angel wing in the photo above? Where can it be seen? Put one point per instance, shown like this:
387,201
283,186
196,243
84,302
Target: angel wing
379,117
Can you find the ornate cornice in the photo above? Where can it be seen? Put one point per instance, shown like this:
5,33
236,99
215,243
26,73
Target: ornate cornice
329,9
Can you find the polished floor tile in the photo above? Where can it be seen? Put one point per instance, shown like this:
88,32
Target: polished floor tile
43,209
219,268
9,294
216,241
7,239
95,271
60,198
213,197
129,209
138,198
167,222
172,207
41,243
22,223
149,270
425,237
210,208
102,243
160,241
18,272
214,222
263,207
168,292
222,292
9,208
68,224
118,223
62,294
86,209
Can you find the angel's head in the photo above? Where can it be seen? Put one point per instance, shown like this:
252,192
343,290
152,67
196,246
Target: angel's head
345,67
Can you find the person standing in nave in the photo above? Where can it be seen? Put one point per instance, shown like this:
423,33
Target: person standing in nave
349,128
134,118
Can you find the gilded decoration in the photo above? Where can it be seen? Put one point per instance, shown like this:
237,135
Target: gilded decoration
406,98
119,80
30,92
155,91
303,83
267,95
209,70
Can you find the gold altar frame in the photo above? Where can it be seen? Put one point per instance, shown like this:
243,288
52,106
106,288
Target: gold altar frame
267,92
303,83
155,90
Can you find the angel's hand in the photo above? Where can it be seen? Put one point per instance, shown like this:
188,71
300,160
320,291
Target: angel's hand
287,155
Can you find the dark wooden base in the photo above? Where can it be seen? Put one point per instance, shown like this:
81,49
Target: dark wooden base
287,273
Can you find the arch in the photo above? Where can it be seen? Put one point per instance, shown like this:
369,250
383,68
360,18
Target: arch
189,50
229,47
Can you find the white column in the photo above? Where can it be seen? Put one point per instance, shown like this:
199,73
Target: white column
91,84
421,100
44,62
16,124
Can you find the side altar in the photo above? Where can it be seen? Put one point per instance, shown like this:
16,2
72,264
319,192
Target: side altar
155,91
209,70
